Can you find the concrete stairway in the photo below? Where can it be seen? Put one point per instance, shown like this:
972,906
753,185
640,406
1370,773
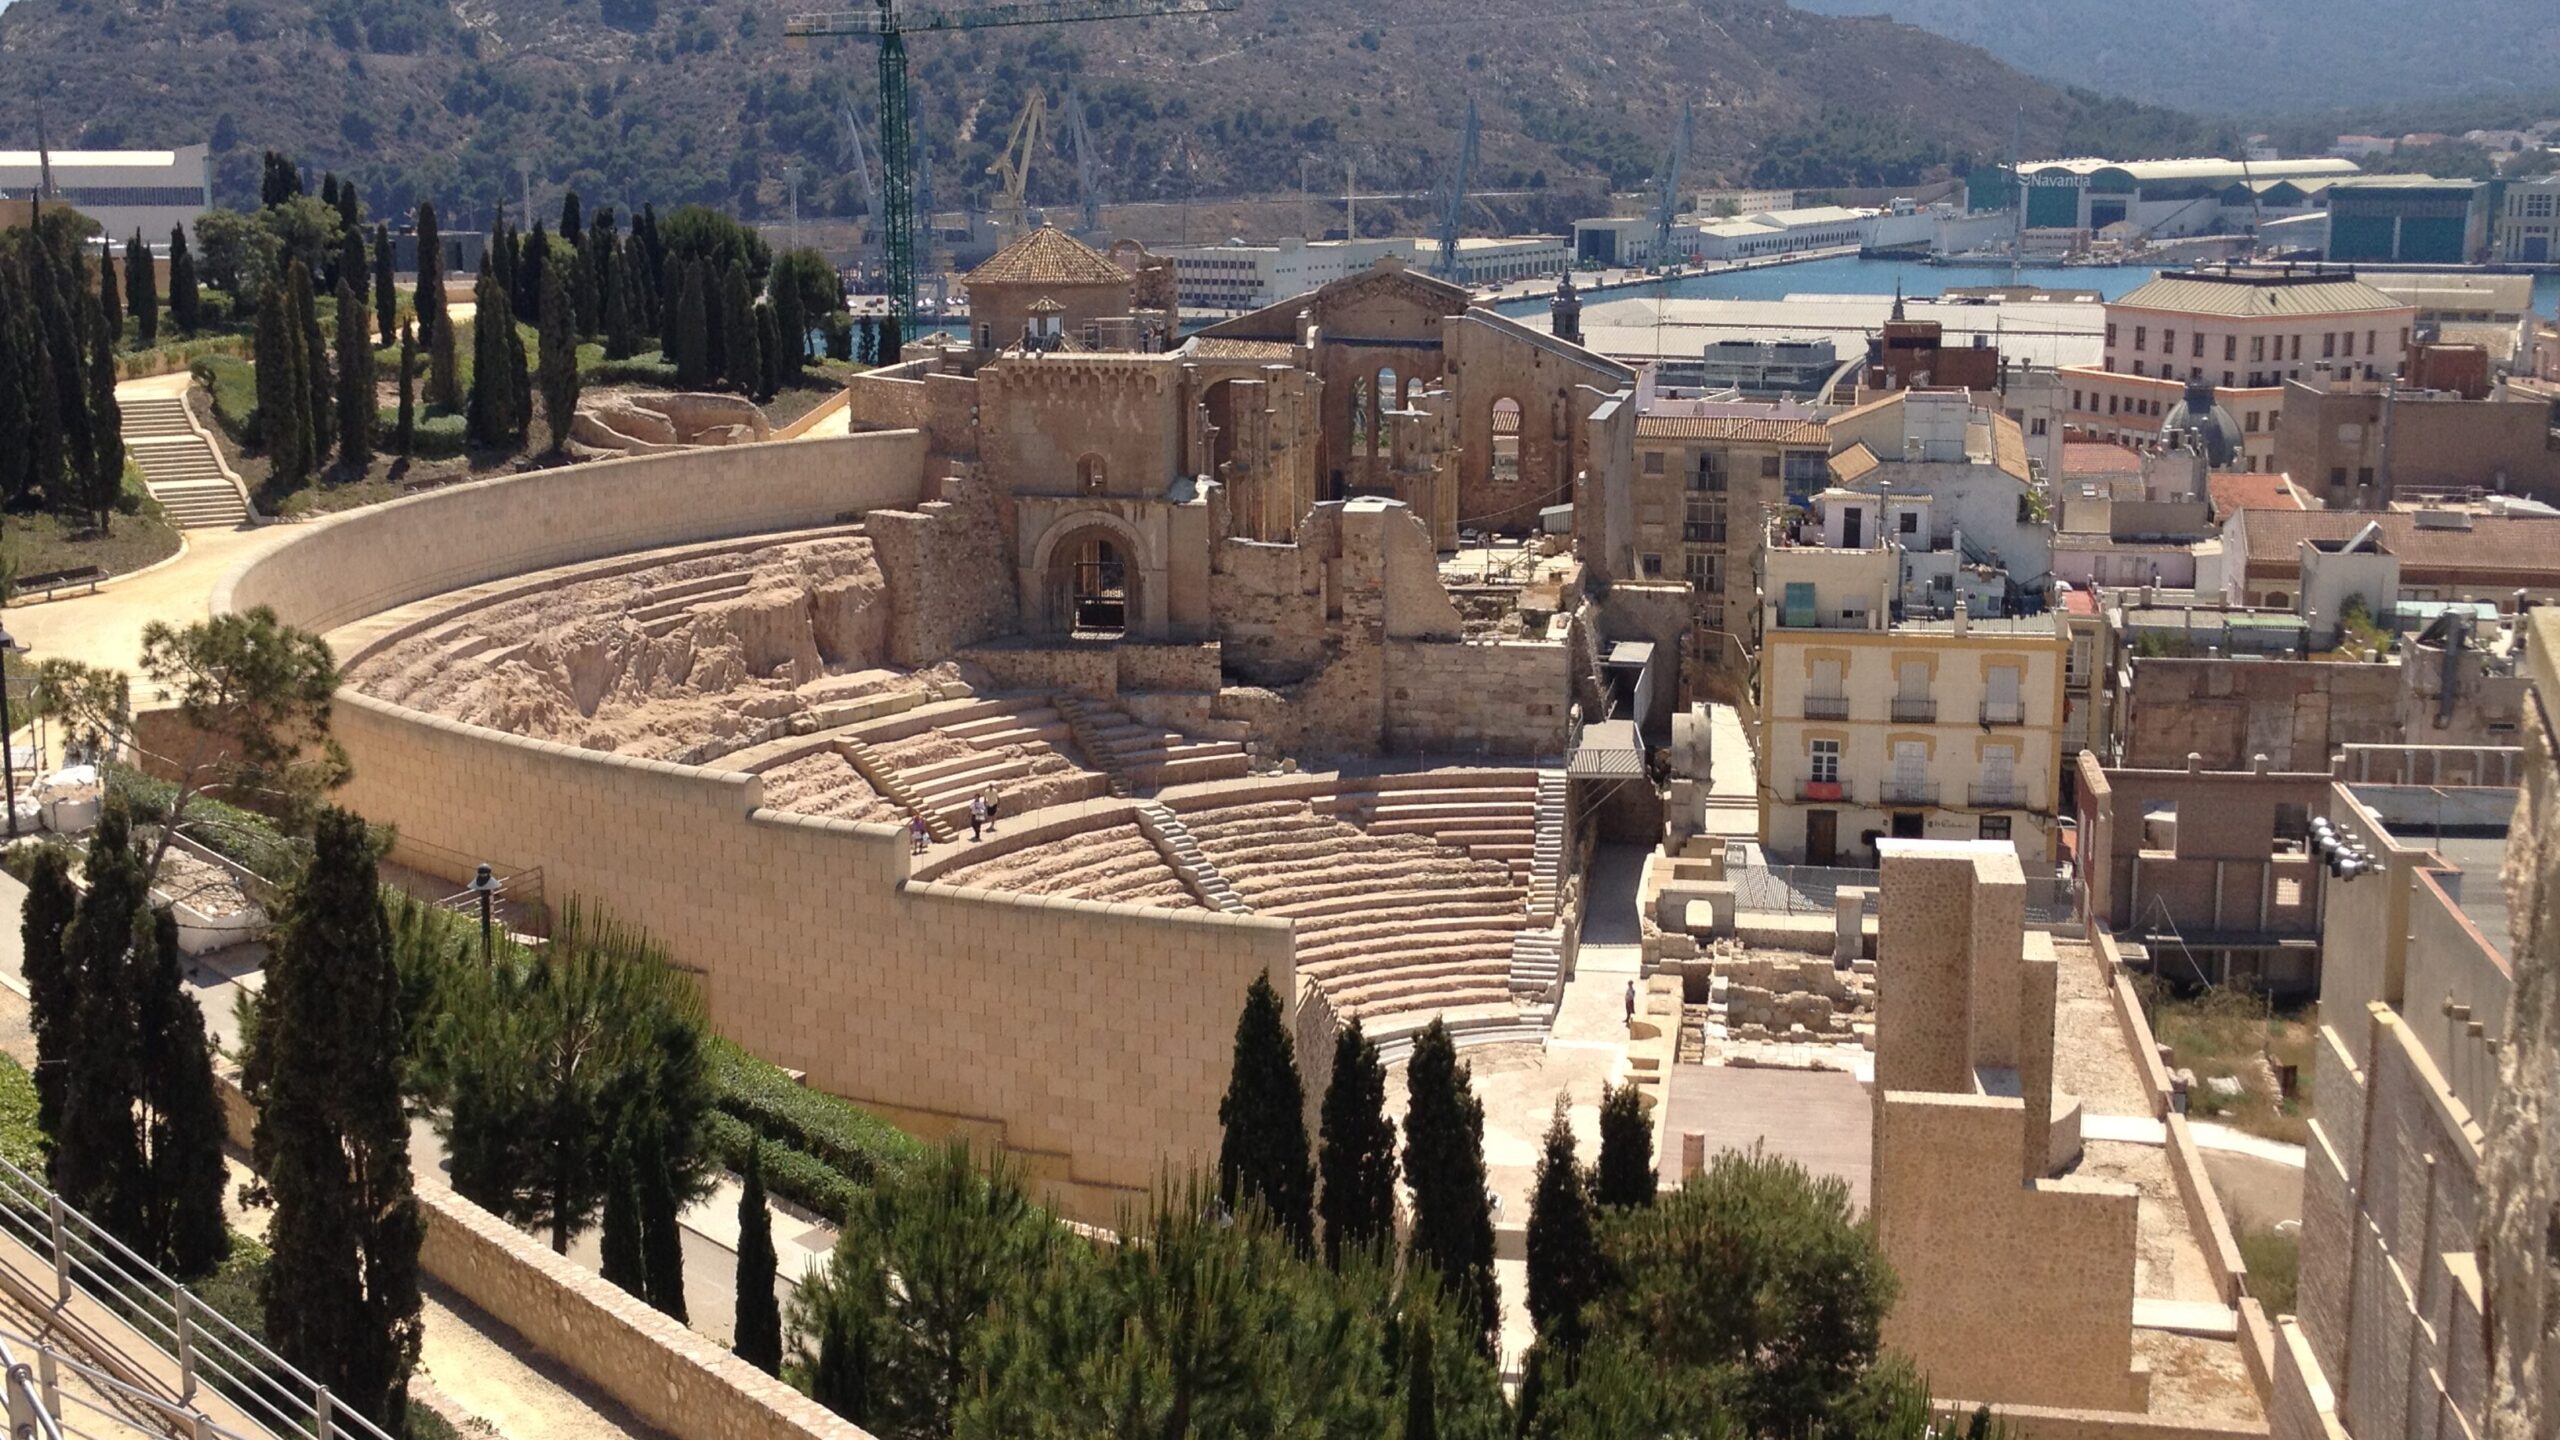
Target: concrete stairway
180,467
885,778
1174,841
1537,966
1546,856
1148,757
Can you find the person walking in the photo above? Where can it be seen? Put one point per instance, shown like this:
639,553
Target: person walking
977,818
1631,1004
919,837
990,801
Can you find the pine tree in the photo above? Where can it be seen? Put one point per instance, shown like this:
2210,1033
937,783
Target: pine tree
1263,1159
1564,1249
102,477
185,1176
404,441
142,290
341,1294
281,393
1421,1387
690,334
1358,1150
53,985
110,299
1444,1163
759,1312
742,356
621,328
323,402
618,1238
359,408
559,355
386,296
1624,1178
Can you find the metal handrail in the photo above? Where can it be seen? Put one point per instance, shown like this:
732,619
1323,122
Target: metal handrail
1914,712
206,1345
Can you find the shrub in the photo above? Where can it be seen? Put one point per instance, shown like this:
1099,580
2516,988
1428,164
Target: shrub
791,1174
246,839
842,1136
233,384
21,1143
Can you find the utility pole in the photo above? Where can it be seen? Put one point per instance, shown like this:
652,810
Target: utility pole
1351,198
791,182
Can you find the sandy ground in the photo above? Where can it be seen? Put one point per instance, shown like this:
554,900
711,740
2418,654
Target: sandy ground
2091,1059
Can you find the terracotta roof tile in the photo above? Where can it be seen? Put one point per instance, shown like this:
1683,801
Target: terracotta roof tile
1732,427
2099,457
1047,256
2237,490
2495,548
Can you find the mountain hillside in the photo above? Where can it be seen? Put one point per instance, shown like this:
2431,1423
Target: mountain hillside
2256,57
633,100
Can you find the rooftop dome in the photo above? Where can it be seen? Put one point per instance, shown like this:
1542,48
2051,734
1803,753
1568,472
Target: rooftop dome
2214,429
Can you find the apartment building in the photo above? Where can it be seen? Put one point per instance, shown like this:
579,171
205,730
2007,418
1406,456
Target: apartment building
1707,480
2363,444
1877,721
2527,228
1957,491
2243,330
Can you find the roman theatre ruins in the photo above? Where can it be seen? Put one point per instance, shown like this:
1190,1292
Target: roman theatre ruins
1221,629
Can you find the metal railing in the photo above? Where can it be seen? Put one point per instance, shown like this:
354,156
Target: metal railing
1999,797
1826,707
208,1348
94,1406
2004,712
1910,792
1915,712
1815,889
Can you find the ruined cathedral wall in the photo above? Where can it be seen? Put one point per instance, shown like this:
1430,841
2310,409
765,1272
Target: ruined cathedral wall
950,576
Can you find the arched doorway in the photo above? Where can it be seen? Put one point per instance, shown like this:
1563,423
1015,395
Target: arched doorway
1095,582
1505,454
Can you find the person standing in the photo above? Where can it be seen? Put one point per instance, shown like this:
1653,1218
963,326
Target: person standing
977,818
990,801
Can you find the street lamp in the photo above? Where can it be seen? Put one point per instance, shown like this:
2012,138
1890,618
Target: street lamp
9,740
485,885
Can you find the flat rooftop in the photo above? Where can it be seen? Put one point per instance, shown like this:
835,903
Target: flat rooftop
2467,828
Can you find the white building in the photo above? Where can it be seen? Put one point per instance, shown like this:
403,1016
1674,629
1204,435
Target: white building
152,191
1242,276
2526,230
1786,232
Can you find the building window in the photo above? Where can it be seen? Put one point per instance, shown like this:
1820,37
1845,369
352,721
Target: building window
1652,567
2368,342
1995,827
2075,401
2036,426
2111,400
2257,348
2328,345
2168,342
2364,477
1653,462
2297,347
2197,349
2337,477
1768,467
2249,422
2141,334
2111,332
1825,762
2350,349
1910,522
2137,367
2230,347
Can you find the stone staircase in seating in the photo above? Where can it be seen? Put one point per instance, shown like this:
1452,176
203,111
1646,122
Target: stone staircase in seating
1547,851
1537,967
1149,757
180,466
1174,841
946,755
1388,923
1489,816
884,778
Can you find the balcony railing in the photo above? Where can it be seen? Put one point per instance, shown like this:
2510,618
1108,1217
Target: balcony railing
1915,712
1910,792
1822,791
1826,707
2004,712
2011,796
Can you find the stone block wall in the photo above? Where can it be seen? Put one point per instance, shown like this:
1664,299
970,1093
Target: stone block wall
1502,699
948,572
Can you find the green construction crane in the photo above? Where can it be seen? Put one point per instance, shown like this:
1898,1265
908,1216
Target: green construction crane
890,22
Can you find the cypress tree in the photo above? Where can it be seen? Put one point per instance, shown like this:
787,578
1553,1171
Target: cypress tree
1564,1247
352,270
329,188
281,393
621,331
689,334
405,440
715,315
22,379
1625,1176
358,407
278,181
521,271
323,400
867,346
671,277
386,296
572,226
57,392
102,476
341,1295
1263,1158
759,1313
1421,1387
98,1164
110,300
1358,1150
185,1178
351,220
1444,1162
142,290
559,355
519,383
769,345
792,319
186,304
53,984
661,1234
430,302
893,341
619,1240
742,356
489,421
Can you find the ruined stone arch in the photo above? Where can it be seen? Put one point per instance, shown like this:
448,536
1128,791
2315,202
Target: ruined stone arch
1073,571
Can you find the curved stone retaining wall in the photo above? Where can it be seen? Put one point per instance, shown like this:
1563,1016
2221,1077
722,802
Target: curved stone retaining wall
1092,1040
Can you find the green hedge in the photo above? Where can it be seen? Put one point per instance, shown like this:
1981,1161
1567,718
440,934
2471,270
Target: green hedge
246,839
21,1143
634,371
839,1135
790,1174
439,437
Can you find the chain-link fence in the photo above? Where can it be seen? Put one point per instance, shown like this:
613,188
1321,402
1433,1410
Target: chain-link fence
1815,890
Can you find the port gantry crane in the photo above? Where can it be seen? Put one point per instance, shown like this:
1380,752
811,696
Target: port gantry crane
890,22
